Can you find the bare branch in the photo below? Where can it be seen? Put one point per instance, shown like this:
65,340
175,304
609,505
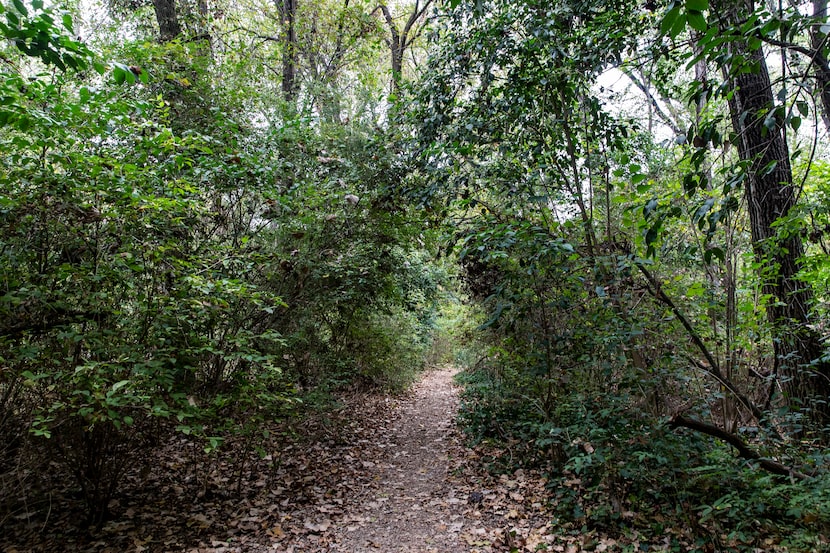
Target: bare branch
743,449
713,368
645,90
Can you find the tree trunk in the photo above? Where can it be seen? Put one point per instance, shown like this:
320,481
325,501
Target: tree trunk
818,39
288,13
396,47
399,41
770,195
167,19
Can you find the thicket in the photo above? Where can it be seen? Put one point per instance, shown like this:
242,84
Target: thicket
629,305
170,267
211,216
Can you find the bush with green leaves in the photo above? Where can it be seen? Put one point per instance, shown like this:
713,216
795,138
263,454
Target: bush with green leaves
127,293
166,267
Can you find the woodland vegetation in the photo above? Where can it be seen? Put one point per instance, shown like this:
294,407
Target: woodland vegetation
615,215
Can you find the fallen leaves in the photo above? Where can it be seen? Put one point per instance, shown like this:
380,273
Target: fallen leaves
291,497
337,485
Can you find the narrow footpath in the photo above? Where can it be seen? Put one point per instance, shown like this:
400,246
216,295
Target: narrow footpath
414,507
430,494
381,474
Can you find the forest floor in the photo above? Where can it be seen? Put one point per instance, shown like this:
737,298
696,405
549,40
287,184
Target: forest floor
382,473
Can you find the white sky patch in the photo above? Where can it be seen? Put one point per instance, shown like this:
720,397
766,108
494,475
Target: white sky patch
622,98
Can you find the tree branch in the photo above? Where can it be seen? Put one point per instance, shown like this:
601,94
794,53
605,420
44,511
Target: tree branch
416,15
815,57
56,318
660,113
713,368
744,451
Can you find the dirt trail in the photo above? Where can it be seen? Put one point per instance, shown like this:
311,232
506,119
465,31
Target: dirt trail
382,474
414,508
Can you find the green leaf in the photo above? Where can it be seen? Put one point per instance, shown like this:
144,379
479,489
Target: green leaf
119,75
795,122
120,384
697,21
649,208
37,4
122,73
770,122
696,290
20,7
652,234
213,443
703,210
697,5
669,20
713,252
679,26
24,123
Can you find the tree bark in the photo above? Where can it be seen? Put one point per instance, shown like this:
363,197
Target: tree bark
167,18
399,41
818,41
288,13
770,196
396,47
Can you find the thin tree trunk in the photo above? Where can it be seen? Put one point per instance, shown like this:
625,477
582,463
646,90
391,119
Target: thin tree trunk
399,41
288,13
396,47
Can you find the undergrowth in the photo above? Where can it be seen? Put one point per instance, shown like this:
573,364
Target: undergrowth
616,470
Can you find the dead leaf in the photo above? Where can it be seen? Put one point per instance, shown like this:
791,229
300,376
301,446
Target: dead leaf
319,527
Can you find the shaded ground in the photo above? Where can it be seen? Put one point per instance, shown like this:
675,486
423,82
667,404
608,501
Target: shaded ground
383,474
412,506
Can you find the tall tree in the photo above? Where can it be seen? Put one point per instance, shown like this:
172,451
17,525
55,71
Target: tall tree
288,13
401,39
167,18
770,196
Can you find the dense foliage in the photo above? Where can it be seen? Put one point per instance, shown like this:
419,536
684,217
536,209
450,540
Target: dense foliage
647,308
169,266
217,214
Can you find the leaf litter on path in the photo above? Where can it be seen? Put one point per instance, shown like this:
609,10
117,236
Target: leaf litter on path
384,474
